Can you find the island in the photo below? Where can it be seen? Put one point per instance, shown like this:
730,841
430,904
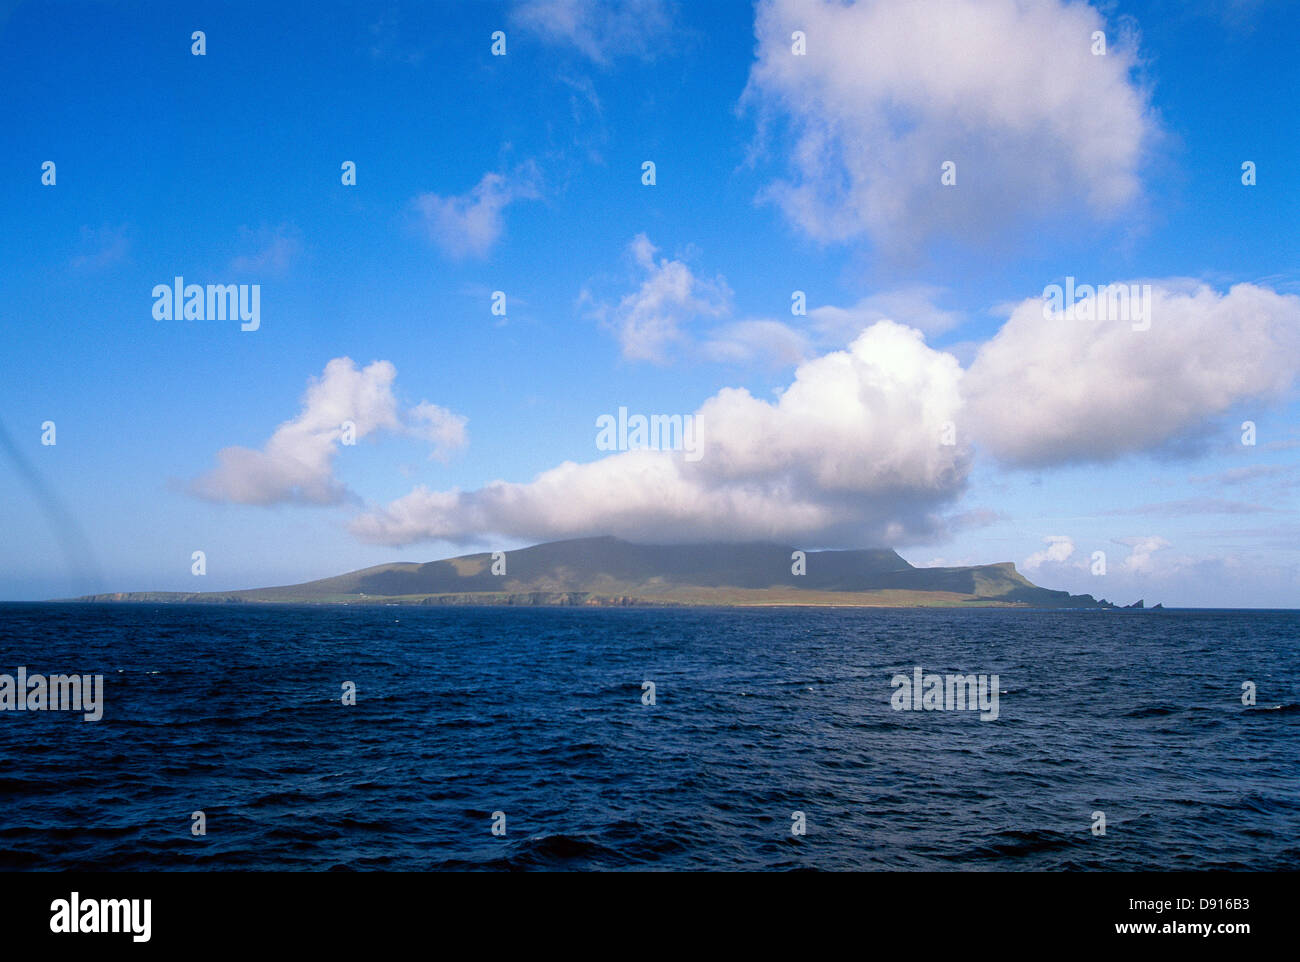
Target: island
608,571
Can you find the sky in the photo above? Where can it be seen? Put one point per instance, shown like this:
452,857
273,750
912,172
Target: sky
840,274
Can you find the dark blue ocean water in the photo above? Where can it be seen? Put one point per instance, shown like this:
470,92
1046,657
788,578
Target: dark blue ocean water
537,713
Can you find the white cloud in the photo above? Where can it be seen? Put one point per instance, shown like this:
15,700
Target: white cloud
743,342
469,224
912,306
439,426
1060,560
850,454
1059,550
652,319
1006,89
296,465
658,321
1154,573
599,29
1142,548
1050,391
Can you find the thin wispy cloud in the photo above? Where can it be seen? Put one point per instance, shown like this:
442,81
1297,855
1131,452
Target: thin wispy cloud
1188,506
1247,475
268,250
600,30
750,341
914,306
101,248
471,223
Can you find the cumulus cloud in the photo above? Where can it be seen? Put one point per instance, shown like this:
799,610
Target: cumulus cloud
852,452
1008,90
1140,551
1059,550
469,224
601,30
649,321
1058,559
849,454
1057,390
296,465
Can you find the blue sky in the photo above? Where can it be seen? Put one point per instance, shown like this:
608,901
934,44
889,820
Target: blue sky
523,174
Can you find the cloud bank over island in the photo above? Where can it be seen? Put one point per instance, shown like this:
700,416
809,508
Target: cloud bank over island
854,451
850,452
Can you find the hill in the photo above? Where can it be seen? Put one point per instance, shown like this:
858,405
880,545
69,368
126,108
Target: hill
609,571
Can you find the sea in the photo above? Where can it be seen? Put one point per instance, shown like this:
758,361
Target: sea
242,737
